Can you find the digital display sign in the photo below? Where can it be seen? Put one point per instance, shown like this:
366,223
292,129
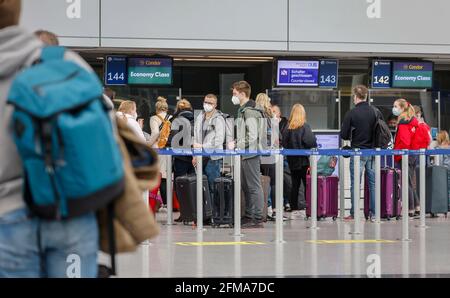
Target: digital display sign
381,74
328,73
150,71
297,73
329,141
116,70
412,74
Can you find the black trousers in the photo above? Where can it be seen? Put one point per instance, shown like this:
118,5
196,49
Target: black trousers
298,177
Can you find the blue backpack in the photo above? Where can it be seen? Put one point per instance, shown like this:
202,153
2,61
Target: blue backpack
63,133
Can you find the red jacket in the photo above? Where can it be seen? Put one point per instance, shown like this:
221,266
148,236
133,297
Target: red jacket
406,131
422,137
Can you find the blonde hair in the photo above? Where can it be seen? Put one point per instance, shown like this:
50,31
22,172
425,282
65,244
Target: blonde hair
408,110
161,105
183,104
298,117
127,107
443,137
263,101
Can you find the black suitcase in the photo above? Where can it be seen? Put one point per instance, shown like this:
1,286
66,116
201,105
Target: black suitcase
223,202
186,187
436,190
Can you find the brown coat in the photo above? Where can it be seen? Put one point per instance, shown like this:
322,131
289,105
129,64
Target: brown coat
134,222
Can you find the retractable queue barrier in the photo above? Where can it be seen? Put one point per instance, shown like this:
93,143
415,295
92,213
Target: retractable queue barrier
313,154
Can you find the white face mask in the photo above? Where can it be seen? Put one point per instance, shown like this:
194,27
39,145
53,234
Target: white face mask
396,111
235,100
207,107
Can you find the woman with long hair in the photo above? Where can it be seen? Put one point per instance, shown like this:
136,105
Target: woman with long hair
298,135
405,139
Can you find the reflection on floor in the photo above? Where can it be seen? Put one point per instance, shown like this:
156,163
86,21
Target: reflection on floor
181,251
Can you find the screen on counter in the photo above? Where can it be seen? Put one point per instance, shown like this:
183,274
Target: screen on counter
150,71
329,141
298,73
412,74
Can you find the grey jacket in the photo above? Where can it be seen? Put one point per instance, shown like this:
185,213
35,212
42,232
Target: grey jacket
211,133
249,130
18,48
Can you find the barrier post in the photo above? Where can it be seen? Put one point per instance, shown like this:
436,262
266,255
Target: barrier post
237,195
422,181
199,193
377,187
313,159
341,188
169,189
356,194
279,198
405,199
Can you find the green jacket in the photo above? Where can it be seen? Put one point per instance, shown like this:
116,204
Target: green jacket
248,128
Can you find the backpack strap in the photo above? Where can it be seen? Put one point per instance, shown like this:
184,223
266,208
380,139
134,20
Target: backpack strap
52,53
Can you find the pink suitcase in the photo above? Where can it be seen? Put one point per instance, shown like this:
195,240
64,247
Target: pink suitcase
391,191
327,196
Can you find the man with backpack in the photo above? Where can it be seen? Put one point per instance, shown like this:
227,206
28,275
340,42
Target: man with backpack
359,126
46,231
249,138
209,134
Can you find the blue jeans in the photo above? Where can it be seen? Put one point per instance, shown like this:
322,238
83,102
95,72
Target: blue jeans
366,162
212,171
31,247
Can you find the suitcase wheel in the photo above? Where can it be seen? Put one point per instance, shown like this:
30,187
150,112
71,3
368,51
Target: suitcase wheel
433,215
334,218
367,218
306,218
397,217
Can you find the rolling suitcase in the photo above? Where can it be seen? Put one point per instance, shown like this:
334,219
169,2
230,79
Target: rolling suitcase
327,196
223,202
265,183
436,190
186,187
391,191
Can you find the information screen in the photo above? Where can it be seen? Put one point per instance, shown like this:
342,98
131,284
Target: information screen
381,74
116,70
329,141
328,74
150,71
297,73
412,74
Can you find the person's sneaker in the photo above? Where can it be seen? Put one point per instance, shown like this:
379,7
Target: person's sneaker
179,219
274,216
163,209
297,214
287,208
350,217
269,210
417,214
245,221
270,217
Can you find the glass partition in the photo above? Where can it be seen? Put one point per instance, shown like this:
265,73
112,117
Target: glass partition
321,106
145,98
384,99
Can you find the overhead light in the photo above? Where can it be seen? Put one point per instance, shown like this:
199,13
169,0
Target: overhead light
100,58
220,60
241,57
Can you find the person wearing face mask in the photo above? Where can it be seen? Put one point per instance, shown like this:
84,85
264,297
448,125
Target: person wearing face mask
248,138
127,111
209,134
406,139
358,127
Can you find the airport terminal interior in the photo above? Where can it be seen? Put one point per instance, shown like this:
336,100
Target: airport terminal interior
271,44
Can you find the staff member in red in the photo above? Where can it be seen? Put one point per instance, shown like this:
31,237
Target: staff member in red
404,139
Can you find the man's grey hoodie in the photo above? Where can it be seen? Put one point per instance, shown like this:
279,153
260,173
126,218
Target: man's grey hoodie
18,48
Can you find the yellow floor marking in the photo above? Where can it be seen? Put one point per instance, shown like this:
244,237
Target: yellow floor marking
219,243
350,241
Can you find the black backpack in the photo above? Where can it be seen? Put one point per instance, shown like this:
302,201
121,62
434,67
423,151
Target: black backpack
382,137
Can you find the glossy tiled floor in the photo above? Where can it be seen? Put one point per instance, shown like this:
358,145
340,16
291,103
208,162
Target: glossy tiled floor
427,254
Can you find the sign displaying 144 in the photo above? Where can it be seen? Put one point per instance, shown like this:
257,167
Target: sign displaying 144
116,76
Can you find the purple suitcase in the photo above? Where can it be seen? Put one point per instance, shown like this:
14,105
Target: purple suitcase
391,191
327,196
